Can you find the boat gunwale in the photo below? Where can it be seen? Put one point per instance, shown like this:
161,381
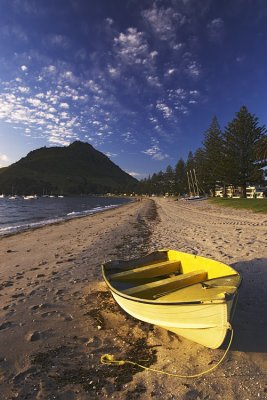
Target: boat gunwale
153,301
171,303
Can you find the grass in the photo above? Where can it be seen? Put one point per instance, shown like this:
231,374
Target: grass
256,205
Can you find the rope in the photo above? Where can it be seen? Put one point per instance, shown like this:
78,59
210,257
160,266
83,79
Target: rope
109,359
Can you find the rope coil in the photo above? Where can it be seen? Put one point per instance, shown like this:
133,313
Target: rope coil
109,359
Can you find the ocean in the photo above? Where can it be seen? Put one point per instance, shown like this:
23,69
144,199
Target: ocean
20,214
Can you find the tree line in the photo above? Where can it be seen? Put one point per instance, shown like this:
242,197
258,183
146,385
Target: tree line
236,156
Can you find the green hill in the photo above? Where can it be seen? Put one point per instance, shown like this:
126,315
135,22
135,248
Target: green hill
76,169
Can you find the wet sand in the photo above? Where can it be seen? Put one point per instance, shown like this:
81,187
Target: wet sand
57,317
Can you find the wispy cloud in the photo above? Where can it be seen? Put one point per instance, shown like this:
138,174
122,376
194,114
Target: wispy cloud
13,31
155,152
129,137
163,21
216,30
166,111
135,174
131,47
110,155
58,40
193,69
28,6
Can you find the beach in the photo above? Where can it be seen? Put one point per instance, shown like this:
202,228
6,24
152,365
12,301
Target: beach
57,317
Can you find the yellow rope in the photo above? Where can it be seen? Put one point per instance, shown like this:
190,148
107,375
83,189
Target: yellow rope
109,359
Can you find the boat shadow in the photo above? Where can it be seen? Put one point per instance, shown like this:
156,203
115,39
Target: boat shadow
250,319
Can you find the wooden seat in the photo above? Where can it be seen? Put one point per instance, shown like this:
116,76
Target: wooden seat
149,290
147,272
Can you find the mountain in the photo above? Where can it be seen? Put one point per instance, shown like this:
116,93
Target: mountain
76,169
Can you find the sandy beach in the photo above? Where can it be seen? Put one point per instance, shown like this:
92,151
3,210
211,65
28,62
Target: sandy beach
57,317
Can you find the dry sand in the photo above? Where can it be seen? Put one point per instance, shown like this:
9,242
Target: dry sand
57,317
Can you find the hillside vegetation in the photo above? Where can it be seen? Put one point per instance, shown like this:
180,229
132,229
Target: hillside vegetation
76,169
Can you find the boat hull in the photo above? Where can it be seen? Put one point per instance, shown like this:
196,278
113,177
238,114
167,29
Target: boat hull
206,324
200,311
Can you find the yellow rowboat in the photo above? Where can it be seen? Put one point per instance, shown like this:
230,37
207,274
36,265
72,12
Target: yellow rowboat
189,295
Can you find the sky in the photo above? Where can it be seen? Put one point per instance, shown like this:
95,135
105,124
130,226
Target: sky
140,80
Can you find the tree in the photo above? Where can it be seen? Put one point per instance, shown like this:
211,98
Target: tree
261,151
169,180
213,168
199,171
180,177
190,163
242,136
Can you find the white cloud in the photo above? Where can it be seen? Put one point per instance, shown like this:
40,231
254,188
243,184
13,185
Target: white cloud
216,30
114,72
135,174
153,54
24,89
40,95
109,154
51,69
69,76
14,30
4,160
164,21
109,21
24,68
155,152
194,92
128,137
58,140
59,40
193,69
64,105
166,111
131,46
177,46
154,81
34,102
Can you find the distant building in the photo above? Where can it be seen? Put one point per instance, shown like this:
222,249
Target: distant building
231,191
219,192
256,192
252,192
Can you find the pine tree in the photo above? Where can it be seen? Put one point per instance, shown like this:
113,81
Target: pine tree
169,180
180,177
261,151
200,170
213,168
242,136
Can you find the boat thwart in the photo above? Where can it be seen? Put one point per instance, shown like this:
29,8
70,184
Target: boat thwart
190,295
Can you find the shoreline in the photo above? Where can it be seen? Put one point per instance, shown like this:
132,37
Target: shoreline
46,276
58,316
46,222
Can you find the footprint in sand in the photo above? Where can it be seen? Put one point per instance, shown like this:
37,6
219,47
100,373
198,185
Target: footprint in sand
22,376
6,325
33,336
49,314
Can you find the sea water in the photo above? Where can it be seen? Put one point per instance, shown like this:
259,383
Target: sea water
20,214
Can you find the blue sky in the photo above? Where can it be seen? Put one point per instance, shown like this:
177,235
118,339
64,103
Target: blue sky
139,80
